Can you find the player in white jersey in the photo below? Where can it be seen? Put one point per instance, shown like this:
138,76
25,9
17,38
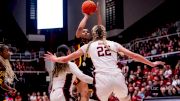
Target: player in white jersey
63,78
108,77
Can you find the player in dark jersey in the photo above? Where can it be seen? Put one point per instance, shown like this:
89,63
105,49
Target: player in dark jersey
84,63
6,73
87,68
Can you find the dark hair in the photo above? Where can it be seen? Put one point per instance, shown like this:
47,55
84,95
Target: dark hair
59,67
3,47
99,31
63,48
59,54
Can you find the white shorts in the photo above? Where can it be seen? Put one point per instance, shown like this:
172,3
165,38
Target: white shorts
57,95
106,84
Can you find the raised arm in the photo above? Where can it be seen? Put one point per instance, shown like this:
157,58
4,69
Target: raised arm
64,59
75,70
138,57
99,17
81,26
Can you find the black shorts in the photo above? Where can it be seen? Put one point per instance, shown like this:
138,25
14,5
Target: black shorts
2,92
87,70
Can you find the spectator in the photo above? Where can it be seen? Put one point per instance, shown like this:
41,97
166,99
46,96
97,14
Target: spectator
45,97
153,51
33,97
163,91
155,89
18,97
176,81
39,98
141,93
174,92
145,70
168,71
131,90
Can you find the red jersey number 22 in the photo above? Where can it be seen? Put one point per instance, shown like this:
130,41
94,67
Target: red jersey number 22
103,51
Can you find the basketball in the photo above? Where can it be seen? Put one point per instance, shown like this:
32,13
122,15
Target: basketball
88,7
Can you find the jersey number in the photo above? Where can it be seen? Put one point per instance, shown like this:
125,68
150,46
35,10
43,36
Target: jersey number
103,51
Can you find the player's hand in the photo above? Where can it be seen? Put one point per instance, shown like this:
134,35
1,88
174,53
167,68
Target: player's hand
86,15
50,57
158,63
12,91
97,7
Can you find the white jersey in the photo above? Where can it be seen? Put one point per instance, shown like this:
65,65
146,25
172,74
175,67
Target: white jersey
108,77
59,82
103,59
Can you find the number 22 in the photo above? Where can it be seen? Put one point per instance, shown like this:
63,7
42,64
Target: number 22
103,51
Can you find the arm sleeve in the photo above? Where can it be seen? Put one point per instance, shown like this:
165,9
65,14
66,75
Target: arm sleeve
84,48
118,46
75,70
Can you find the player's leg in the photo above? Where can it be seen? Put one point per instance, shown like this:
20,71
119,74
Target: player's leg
83,90
121,90
57,95
82,86
103,87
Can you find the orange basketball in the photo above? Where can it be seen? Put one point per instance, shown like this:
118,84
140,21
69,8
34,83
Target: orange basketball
88,7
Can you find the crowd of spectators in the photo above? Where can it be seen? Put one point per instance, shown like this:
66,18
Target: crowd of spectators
164,39
34,96
168,28
145,82
20,65
158,45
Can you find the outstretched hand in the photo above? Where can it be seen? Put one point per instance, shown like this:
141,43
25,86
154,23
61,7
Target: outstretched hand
86,15
50,57
156,63
97,7
12,91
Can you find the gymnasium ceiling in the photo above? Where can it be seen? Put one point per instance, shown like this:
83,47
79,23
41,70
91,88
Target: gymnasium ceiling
8,26
167,11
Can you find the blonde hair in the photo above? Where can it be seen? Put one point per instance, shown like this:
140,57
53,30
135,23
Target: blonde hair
59,67
99,33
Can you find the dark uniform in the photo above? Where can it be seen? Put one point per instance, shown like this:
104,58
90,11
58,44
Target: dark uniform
88,68
2,72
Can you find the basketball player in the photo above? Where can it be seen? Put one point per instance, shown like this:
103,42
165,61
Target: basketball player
83,37
108,77
6,73
60,87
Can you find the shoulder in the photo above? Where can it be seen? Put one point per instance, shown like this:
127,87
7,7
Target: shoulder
72,67
72,64
112,42
84,46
